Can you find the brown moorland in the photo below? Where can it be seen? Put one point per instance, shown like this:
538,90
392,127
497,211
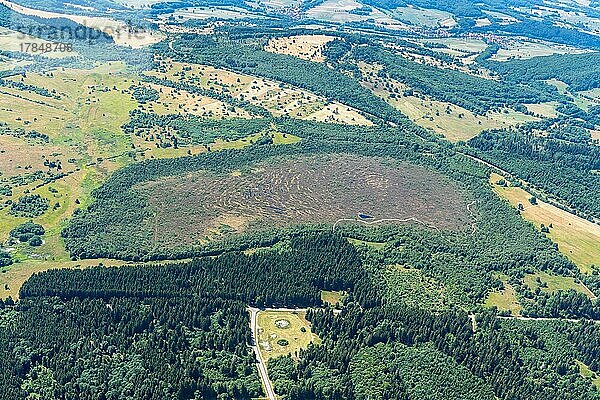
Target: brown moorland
204,206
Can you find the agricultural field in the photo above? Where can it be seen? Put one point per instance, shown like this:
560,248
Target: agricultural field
546,110
306,47
222,12
571,18
120,32
526,49
339,11
283,332
279,4
458,45
13,41
423,17
504,299
453,122
301,190
278,98
554,283
577,238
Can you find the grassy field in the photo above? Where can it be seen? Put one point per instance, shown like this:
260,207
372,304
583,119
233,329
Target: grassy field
332,297
222,12
586,372
373,245
455,123
423,16
459,45
118,30
12,40
504,299
525,49
546,110
280,99
554,283
299,190
577,238
21,156
338,11
83,123
582,100
307,47
12,278
177,101
282,332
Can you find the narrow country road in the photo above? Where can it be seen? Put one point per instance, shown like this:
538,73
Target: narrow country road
262,366
595,321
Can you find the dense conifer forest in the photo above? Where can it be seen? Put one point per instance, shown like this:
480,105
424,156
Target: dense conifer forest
120,288
181,331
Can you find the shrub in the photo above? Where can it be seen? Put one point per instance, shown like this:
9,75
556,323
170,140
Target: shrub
29,206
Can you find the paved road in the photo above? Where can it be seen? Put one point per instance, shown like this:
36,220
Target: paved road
262,366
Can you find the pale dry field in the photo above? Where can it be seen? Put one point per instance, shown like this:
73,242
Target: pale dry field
453,122
19,156
178,101
338,11
222,12
546,110
577,238
424,16
504,299
278,98
14,41
306,47
121,33
525,49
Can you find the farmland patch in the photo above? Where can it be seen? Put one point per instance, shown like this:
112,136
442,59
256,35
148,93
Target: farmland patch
526,49
121,33
577,238
340,11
